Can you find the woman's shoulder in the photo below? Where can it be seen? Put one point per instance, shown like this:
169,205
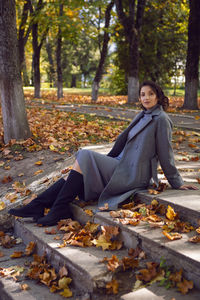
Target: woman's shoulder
163,119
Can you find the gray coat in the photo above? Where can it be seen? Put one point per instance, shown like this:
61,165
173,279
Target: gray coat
151,142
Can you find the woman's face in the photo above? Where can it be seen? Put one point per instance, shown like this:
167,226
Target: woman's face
148,97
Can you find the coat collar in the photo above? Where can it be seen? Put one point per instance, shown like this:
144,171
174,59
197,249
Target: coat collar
155,112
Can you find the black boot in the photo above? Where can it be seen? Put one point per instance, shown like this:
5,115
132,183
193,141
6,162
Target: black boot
60,209
35,208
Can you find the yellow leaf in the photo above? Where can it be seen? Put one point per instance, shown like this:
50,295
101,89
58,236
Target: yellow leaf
2,205
89,212
52,148
171,215
67,293
102,242
64,282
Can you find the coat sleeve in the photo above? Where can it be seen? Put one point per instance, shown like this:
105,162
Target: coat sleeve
119,144
165,151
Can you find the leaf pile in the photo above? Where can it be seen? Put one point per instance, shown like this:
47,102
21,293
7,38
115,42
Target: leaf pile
41,271
51,96
89,235
157,216
154,272
61,132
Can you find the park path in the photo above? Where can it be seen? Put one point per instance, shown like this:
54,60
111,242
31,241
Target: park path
187,121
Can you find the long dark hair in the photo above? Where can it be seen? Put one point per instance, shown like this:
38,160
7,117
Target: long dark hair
162,99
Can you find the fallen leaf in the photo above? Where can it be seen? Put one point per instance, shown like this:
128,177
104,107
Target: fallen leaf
64,282
51,231
30,248
171,215
6,179
1,254
38,172
89,212
101,241
112,263
38,163
195,239
67,293
63,272
25,287
2,205
16,254
172,235
185,286
112,287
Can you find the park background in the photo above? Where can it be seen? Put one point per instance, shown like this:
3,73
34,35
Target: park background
58,49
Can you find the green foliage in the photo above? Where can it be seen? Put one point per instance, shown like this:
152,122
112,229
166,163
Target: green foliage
164,33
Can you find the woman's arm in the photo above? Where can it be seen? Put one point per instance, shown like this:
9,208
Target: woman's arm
166,155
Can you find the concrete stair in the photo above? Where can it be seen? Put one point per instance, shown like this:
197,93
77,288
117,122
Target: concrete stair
90,276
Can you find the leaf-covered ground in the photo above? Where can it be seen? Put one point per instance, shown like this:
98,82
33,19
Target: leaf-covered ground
51,96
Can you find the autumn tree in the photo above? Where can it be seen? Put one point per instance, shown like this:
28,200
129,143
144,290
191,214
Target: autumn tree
58,57
193,52
37,42
103,52
130,15
163,34
24,29
12,98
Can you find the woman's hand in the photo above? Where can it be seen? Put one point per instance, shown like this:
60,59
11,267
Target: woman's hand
188,187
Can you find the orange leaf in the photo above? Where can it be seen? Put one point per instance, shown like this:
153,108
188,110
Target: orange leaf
129,262
30,248
16,254
172,235
38,172
1,254
192,145
185,286
39,163
112,287
52,231
6,179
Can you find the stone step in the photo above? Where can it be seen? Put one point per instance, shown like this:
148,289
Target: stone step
84,265
179,253
185,202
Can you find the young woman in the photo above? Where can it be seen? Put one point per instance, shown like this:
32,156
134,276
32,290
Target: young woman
129,167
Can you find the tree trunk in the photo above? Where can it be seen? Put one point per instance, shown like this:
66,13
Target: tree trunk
95,89
23,34
58,59
192,62
104,51
51,64
73,82
12,98
132,26
25,77
36,61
